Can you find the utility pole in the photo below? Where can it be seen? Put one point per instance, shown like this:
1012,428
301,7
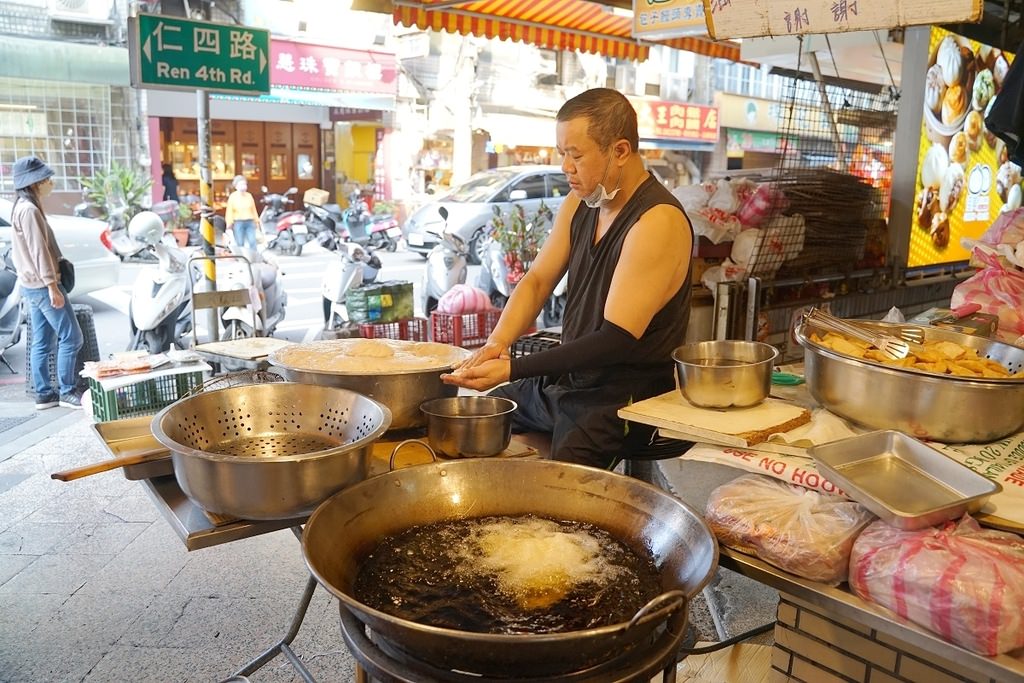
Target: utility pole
206,198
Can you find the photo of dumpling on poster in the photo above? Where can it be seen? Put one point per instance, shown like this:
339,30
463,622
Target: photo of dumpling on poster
964,178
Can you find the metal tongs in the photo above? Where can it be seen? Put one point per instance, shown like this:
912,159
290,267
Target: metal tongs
890,346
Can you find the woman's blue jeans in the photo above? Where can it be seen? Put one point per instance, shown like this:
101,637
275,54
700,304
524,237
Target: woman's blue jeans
49,324
245,233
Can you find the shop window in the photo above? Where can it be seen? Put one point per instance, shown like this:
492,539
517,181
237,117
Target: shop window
250,165
304,164
279,166
532,185
559,185
185,159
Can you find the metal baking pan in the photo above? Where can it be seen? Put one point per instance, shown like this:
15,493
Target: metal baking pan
905,482
132,436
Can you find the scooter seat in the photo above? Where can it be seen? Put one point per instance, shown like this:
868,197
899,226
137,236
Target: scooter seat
265,274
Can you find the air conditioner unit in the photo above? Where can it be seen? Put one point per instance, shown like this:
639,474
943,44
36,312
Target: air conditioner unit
81,11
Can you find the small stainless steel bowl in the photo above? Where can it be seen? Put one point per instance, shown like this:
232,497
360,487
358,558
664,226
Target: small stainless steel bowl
725,374
469,426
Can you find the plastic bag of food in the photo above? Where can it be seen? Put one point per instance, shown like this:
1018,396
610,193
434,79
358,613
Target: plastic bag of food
999,290
960,581
804,532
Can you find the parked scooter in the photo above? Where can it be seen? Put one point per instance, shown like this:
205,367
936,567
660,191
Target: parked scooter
287,228
447,265
355,267
116,237
364,227
269,296
159,312
554,307
12,312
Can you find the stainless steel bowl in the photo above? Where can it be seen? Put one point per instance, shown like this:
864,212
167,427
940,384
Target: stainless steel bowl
401,392
725,374
928,406
469,426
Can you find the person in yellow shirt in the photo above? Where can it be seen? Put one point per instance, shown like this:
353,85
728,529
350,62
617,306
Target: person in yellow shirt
241,216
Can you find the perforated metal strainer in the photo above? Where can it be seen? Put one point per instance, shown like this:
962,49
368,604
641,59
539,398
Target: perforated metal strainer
270,451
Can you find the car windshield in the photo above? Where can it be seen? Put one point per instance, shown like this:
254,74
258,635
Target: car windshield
480,187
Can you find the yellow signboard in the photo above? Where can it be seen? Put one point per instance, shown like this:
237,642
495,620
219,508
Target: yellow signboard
658,19
964,178
755,18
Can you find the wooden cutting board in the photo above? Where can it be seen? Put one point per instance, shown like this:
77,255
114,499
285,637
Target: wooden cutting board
244,349
743,427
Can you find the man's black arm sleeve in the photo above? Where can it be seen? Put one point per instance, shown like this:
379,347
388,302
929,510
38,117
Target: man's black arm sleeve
609,344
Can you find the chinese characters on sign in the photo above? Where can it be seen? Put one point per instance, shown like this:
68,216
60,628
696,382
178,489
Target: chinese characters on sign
180,54
676,120
306,65
754,18
656,18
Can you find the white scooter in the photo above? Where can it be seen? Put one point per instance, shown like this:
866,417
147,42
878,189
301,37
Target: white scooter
355,267
12,312
447,265
268,295
159,312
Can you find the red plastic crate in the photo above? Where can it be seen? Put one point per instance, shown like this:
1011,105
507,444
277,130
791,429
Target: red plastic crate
409,329
470,329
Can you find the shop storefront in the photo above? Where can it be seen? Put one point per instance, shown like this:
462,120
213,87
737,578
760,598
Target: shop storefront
296,136
69,104
676,138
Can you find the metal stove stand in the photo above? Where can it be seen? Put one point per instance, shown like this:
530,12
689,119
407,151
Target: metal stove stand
381,662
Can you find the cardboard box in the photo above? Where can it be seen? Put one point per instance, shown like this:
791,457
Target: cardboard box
316,196
976,324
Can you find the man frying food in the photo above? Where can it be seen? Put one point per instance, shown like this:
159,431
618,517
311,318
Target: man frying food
627,251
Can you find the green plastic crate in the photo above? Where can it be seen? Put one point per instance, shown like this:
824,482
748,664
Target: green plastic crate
145,397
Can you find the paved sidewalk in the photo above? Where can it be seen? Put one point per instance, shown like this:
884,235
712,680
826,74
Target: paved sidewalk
95,586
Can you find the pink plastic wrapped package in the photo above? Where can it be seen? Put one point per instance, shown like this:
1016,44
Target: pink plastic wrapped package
763,203
805,532
964,583
997,289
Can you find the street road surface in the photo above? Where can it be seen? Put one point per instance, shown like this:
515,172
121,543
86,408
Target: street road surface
303,318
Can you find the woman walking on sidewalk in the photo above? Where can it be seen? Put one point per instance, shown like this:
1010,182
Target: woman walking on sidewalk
36,256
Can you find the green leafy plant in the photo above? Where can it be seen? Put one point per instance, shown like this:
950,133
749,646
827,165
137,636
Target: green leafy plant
118,186
521,236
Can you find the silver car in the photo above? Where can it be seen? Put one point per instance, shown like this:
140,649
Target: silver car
470,205
79,240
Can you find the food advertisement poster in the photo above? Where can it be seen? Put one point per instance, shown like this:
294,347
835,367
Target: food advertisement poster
963,176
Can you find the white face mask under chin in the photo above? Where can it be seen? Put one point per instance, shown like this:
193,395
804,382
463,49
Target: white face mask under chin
600,196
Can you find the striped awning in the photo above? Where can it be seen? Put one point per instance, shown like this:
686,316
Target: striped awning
554,24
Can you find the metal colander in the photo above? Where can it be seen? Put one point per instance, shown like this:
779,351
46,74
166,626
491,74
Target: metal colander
269,451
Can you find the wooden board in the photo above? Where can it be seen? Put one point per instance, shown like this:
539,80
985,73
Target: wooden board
763,447
731,427
244,349
756,18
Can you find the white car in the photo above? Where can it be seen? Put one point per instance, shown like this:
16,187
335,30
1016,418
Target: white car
471,205
79,240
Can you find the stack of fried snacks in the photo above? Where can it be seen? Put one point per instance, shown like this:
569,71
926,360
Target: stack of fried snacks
938,357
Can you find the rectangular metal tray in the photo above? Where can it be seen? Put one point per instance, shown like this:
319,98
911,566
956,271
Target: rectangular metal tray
129,437
902,480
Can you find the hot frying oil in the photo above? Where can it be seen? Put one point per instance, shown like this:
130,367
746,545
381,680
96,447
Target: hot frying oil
507,575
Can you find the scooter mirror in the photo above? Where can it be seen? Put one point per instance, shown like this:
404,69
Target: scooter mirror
264,189
444,212
292,190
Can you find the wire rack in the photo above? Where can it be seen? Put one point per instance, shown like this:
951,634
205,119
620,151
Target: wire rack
835,146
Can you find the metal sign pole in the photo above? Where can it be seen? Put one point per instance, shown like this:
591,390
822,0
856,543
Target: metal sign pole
206,200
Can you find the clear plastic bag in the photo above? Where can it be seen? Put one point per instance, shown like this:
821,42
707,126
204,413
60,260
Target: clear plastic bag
963,582
804,532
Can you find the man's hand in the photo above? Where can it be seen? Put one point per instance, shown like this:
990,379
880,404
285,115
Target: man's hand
489,351
481,377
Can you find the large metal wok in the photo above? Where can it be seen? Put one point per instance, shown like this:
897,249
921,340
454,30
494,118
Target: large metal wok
350,524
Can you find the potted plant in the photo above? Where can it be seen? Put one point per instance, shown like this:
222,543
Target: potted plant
520,236
119,191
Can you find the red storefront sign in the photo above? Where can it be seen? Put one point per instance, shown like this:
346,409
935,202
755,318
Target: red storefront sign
306,65
676,120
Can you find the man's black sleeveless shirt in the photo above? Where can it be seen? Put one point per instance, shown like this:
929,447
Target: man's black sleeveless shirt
591,267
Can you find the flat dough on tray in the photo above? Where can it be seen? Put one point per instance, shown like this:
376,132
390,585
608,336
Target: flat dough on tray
369,356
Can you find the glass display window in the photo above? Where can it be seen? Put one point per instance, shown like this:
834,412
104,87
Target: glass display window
304,166
251,166
279,166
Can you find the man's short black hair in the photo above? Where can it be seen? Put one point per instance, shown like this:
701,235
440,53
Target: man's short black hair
609,114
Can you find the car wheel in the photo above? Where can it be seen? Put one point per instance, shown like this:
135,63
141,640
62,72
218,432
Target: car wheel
498,300
478,247
431,305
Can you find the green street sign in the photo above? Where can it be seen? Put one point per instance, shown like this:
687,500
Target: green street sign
168,53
